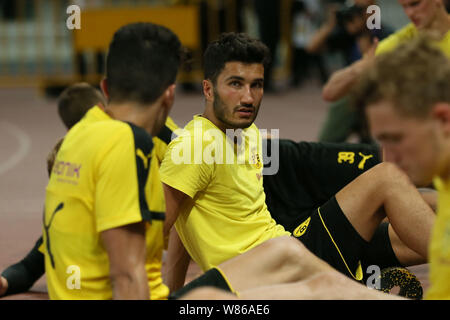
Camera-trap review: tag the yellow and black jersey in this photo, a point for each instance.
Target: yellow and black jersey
(160, 143)
(227, 209)
(310, 174)
(98, 182)
(407, 33)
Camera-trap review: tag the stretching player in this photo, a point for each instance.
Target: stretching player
(220, 209)
(97, 194)
(427, 17)
(412, 123)
(331, 152)
(72, 104)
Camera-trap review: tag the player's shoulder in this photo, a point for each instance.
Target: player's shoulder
(196, 127)
(391, 42)
(114, 133)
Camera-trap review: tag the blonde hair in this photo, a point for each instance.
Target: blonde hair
(413, 78)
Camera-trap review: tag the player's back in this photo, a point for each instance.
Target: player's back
(97, 183)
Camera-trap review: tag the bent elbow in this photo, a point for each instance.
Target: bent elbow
(328, 94)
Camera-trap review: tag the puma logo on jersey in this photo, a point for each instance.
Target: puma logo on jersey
(349, 157)
(363, 161)
(144, 158)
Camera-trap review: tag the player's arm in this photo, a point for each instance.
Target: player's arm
(319, 39)
(21, 276)
(177, 262)
(126, 251)
(174, 201)
(121, 208)
(177, 256)
(430, 196)
(341, 82)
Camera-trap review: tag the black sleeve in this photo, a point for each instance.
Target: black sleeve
(325, 168)
(144, 144)
(165, 134)
(311, 173)
(22, 275)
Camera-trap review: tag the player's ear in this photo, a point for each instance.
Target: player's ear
(104, 88)
(169, 97)
(208, 89)
(441, 113)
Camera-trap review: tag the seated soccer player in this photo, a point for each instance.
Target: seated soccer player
(214, 191)
(407, 101)
(72, 104)
(146, 111)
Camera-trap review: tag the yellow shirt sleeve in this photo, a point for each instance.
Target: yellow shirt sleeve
(390, 43)
(180, 170)
(118, 195)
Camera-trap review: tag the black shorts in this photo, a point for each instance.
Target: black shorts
(211, 278)
(329, 235)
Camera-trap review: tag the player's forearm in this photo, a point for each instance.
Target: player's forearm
(176, 273)
(177, 263)
(21, 276)
(318, 41)
(126, 250)
(430, 196)
(341, 81)
(130, 285)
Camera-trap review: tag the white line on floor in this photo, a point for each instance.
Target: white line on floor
(24, 144)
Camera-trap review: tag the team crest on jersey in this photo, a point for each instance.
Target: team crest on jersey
(301, 229)
(256, 161)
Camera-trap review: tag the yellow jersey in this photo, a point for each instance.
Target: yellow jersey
(226, 213)
(154, 190)
(407, 33)
(439, 251)
(98, 182)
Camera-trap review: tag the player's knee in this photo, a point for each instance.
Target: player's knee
(389, 174)
(328, 279)
(287, 249)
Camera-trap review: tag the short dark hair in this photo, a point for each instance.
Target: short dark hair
(142, 61)
(76, 100)
(230, 47)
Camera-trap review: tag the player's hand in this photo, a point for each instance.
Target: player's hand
(3, 286)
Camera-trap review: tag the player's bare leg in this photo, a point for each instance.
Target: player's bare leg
(384, 191)
(276, 261)
(322, 286)
(404, 254)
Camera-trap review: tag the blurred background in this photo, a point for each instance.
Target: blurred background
(40, 56)
(38, 50)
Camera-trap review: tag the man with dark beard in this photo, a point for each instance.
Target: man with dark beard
(213, 186)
